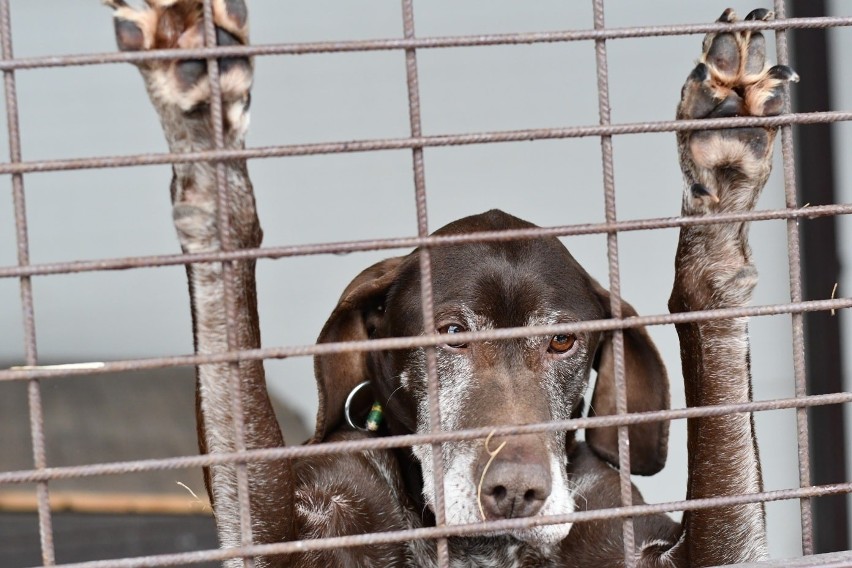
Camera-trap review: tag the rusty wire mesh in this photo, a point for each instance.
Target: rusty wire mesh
(24, 271)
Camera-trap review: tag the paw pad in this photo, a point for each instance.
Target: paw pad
(732, 78)
(179, 24)
(733, 69)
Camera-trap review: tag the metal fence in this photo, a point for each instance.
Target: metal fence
(24, 271)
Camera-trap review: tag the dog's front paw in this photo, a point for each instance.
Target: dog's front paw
(726, 169)
(179, 24)
(180, 90)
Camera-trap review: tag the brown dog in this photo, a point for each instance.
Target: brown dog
(482, 383)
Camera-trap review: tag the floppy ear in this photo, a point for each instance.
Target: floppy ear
(647, 389)
(356, 313)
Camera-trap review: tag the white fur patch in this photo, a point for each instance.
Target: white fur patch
(456, 376)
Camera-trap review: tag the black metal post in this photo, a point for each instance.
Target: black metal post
(821, 270)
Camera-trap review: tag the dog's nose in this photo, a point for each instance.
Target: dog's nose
(512, 489)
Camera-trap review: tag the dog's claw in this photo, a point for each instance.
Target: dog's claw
(115, 4)
(784, 73)
(761, 14)
(700, 73)
(727, 16)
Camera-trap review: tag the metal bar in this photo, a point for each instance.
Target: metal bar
(426, 293)
(626, 486)
(384, 443)
(24, 373)
(837, 560)
(821, 270)
(795, 275)
(416, 142)
(526, 135)
(411, 242)
(223, 207)
(45, 524)
(456, 530)
(416, 43)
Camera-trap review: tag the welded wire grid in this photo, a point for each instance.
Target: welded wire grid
(24, 272)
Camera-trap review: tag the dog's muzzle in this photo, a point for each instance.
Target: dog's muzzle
(514, 477)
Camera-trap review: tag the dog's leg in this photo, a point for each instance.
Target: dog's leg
(180, 92)
(724, 171)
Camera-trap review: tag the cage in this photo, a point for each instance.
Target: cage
(472, 100)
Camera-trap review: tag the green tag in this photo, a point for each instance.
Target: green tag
(374, 418)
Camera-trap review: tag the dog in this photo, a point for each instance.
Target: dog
(482, 384)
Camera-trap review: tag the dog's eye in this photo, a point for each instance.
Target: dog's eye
(450, 329)
(561, 343)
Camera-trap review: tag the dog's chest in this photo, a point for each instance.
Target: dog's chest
(484, 552)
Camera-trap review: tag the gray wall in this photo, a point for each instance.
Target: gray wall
(88, 111)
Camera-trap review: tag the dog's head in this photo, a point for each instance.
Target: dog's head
(484, 286)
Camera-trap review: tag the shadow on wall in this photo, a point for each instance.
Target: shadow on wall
(114, 417)
(109, 418)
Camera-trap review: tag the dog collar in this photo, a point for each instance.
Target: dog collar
(374, 418)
